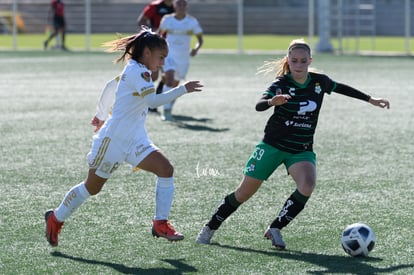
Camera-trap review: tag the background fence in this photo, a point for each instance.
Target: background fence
(260, 16)
(347, 18)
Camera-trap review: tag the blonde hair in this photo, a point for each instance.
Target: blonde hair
(281, 67)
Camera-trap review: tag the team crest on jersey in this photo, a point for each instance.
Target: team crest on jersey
(318, 88)
(146, 76)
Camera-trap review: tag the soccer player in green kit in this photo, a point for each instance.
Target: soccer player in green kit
(296, 97)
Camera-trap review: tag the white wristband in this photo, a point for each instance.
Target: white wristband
(269, 102)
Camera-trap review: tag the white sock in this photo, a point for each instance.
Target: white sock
(164, 194)
(168, 106)
(72, 200)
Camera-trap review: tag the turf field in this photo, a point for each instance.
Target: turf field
(365, 171)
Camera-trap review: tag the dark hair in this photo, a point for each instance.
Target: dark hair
(134, 45)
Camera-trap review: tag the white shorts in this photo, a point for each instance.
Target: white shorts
(178, 65)
(106, 155)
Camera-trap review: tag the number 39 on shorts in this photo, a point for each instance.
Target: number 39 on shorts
(258, 153)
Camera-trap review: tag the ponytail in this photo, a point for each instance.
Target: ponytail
(281, 67)
(133, 46)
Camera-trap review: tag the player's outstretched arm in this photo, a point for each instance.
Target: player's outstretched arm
(154, 100)
(380, 102)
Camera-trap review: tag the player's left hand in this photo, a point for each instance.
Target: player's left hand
(193, 86)
(380, 102)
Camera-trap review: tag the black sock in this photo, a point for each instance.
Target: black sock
(227, 207)
(292, 207)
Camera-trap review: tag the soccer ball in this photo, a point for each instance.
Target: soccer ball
(358, 239)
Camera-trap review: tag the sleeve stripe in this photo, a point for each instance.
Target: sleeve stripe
(147, 92)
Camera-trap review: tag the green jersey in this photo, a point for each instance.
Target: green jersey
(291, 127)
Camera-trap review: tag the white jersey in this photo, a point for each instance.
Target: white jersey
(129, 111)
(179, 34)
(123, 137)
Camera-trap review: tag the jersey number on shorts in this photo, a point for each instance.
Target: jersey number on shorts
(258, 153)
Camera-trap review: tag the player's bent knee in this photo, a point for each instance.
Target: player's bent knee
(165, 171)
(306, 188)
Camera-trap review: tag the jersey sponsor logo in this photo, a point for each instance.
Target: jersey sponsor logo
(301, 117)
(292, 91)
(141, 149)
(146, 76)
(307, 107)
(297, 124)
(302, 125)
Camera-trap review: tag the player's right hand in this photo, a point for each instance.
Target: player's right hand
(97, 123)
(279, 100)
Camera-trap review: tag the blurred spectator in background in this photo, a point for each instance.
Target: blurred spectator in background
(57, 8)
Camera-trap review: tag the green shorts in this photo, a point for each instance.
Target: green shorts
(265, 159)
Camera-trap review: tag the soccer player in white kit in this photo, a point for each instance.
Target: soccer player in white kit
(123, 137)
(178, 28)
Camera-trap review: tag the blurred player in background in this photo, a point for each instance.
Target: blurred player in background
(57, 8)
(151, 17)
(178, 28)
(152, 14)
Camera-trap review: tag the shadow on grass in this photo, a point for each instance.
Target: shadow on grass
(332, 264)
(178, 264)
(195, 124)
